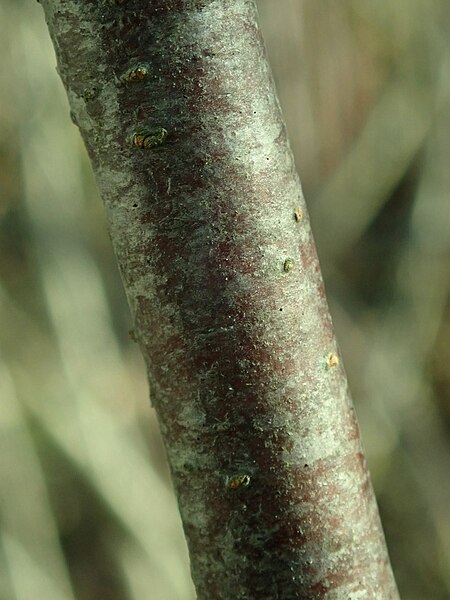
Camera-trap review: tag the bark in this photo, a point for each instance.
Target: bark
(177, 108)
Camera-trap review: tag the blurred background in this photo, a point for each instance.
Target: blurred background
(86, 506)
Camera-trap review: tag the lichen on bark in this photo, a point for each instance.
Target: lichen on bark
(214, 246)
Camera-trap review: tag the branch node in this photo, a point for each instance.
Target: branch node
(332, 360)
(136, 73)
(289, 264)
(149, 138)
(238, 481)
(298, 214)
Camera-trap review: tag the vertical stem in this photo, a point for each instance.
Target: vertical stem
(177, 108)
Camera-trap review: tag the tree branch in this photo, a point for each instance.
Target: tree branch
(176, 105)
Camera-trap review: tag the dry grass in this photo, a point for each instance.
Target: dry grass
(86, 507)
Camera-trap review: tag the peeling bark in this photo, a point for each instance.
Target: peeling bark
(177, 108)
